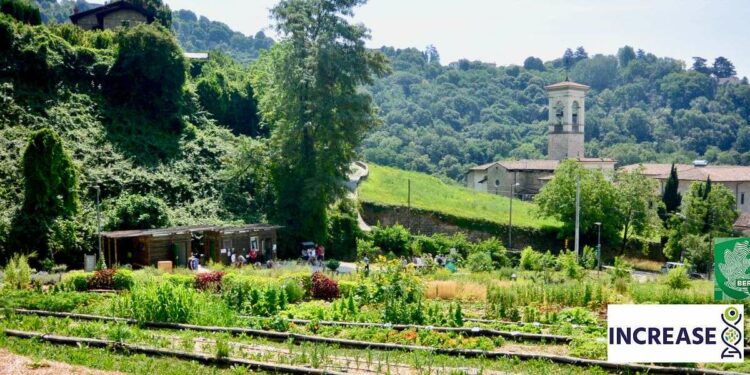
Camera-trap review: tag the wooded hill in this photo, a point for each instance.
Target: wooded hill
(157, 156)
(443, 117)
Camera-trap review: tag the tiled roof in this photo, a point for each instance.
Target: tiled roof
(482, 167)
(526, 165)
(685, 172)
(743, 221)
(596, 160)
(566, 85)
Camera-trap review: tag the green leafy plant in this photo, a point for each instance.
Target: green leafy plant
(18, 272)
(530, 259)
(479, 262)
(123, 279)
(333, 265)
(677, 278)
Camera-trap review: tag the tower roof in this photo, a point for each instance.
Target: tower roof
(567, 85)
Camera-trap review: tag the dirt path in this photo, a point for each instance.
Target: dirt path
(12, 364)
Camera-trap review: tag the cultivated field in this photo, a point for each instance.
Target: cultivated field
(543, 315)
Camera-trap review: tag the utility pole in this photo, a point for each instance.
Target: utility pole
(599, 246)
(408, 201)
(98, 220)
(578, 214)
(510, 216)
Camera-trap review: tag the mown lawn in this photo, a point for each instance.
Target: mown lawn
(389, 186)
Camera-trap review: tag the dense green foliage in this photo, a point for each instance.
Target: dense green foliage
(58, 77)
(599, 201)
(442, 119)
(139, 212)
(50, 190)
(707, 211)
(309, 94)
(149, 72)
(21, 10)
(224, 89)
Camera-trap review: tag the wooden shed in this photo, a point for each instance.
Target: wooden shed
(146, 247)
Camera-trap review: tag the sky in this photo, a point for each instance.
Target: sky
(507, 31)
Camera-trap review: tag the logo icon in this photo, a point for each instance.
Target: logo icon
(731, 335)
(732, 257)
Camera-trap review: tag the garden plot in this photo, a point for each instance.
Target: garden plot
(548, 318)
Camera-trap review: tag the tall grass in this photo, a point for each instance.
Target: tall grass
(568, 294)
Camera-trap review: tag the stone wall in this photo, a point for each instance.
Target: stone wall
(89, 22)
(123, 17)
(428, 223)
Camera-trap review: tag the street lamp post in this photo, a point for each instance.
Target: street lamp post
(599, 246)
(510, 216)
(98, 220)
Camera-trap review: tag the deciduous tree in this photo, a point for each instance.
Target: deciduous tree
(310, 94)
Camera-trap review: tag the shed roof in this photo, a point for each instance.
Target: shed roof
(187, 229)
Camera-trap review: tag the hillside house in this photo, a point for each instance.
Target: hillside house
(112, 15)
(736, 178)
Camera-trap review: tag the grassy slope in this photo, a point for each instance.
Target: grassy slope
(388, 186)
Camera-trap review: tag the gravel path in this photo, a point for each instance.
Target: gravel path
(17, 364)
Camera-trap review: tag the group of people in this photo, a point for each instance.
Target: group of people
(252, 257)
(314, 255)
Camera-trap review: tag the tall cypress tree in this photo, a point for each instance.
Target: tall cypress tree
(50, 192)
(671, 197)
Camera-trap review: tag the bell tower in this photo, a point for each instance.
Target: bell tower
(567, 117)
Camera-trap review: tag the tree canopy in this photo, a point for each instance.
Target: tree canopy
(310, 95)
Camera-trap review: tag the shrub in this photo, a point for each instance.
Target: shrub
(123, 279)
(367, 248)
(209, 281)
(568, 264)
(163, 302)
(294, 291)
(17, 272)
(577, 315)
(102, 279)
(76, 280)
(588, 259)
(324, 287)
(677, 278)
(530, 259)
(496, 250)
(187, 281)
(479, 261)
(333, 265)
(347, 288)
(392, 239)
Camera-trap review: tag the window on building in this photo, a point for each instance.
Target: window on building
(574, 112)
(559, 112)
(497, 183)
(742, 198)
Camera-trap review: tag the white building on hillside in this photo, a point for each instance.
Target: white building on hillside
(567, 117)
(736, 178)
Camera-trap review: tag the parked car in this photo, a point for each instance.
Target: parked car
(692, 273)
